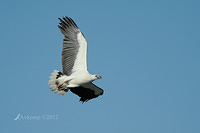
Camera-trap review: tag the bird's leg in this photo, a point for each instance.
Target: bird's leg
(65, 81)
(60, 84)
(63, 85)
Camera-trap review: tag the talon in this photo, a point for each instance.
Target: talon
(60, 89)
(66, 90)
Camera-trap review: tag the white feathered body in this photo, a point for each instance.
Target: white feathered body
(75, 75)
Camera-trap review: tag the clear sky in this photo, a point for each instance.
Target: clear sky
(148, 53)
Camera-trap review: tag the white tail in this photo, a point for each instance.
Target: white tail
(57, 83)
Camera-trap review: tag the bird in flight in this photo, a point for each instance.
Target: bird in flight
(75, 76)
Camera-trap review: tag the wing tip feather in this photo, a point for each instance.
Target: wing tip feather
(67, 21)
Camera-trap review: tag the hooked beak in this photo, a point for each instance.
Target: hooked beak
(99, 77)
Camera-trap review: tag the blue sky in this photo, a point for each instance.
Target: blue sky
(146, 51)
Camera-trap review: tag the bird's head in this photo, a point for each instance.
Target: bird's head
(96, 77)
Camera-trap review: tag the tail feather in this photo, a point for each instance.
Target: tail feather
(55, 78)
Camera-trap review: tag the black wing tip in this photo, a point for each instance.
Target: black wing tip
(67, 21)
(83, 100)
(102, 92)
(65, 17)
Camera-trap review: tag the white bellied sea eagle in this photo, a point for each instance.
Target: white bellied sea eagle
(75, 76)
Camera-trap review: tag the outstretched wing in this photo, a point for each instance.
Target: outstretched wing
(74, 47)
(87, 91)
